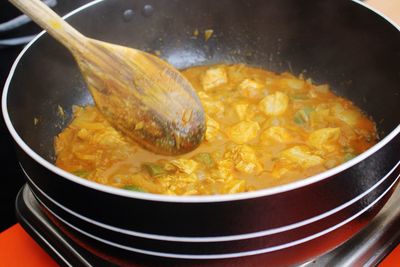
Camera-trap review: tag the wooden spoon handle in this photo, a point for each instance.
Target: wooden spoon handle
(52, 23)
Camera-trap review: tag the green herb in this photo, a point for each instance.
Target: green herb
(308, 110)
(347, 149)
(154, 169)
(81, 173)
(205, 158)
(348, 156)
(134, 188)
(303, 115)
(299, 97)
(298, 119)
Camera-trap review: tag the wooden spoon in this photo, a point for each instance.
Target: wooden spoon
(141, 95)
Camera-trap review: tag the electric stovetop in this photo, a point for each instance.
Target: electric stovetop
(367, 248)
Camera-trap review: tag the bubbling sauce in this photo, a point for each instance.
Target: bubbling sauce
(263, 129)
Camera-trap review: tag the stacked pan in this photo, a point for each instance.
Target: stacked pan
(342, 43)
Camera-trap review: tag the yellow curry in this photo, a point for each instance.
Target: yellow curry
(263, 129)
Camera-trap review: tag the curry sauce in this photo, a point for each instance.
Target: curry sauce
(263, 129)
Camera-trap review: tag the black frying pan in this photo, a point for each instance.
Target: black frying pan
(338, 42)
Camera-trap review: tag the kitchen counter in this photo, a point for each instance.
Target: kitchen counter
(390, 8)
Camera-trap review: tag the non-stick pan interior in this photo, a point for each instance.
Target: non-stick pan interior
(337, 42)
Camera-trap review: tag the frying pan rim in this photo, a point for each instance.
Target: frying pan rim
(182, 199)
(227, 255)
(234, 237)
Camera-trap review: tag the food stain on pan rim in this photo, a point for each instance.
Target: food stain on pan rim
(182, 199)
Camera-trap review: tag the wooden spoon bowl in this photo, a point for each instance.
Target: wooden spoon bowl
(140, 94)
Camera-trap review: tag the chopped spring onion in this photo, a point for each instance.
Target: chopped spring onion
(133, 188)
(205, 158)
(81, 173)
(348, 156)
(154, 169)
(299, 97)
(303, 115)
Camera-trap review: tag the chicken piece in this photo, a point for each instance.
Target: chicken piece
(214, 77)
(324, 139)
(248, 167)
(214, 107)
(83, 134)
(275, 104)
(319, 118)
(187, 166)
(323, 88)
(302, 156)
(211, 106)
(108, 138)
(251, 89)
(225, 168)
(280, 169)
(235, 186)
(295, 83)
(241, 110)
(245, 159)
(212, 129)
(351, 117)
(243, 132)
(276, 134)
(179, 183)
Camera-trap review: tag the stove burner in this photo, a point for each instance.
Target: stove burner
(17, 23)
(367, 248)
